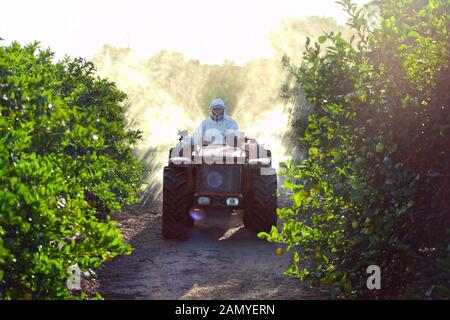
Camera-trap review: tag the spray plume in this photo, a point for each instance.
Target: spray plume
(167, 93)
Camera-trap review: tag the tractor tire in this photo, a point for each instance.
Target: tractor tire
(177, 201)
(261, 202)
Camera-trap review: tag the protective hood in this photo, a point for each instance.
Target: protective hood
(219, 110)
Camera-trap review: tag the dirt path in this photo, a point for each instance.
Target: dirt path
(221, 260)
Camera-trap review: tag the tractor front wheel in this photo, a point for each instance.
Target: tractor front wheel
(261, 202)
(177, 201)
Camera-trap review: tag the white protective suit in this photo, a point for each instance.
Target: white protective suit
(215, 132)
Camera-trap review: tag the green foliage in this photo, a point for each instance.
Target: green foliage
(222, 81)
(188, 82)
(65, 162)
(375, 186)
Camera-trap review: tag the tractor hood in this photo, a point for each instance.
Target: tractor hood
(219, 154)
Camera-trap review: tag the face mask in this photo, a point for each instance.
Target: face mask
(217, 114)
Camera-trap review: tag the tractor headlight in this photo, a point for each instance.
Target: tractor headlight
(232, 202)
(203, 201)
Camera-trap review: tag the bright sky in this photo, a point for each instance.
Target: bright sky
(208, 30)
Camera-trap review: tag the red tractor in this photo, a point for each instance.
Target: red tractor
(237, 176)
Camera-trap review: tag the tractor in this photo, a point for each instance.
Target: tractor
(232, 176)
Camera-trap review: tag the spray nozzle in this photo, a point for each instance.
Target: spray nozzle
(182, 134)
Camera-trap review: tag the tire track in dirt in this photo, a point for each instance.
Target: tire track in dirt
(220, 260)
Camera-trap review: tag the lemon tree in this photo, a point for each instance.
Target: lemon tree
(65, 162)
(374, 188)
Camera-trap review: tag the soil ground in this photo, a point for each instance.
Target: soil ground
(220, 260)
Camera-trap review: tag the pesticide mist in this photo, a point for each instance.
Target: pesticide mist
(167, 93)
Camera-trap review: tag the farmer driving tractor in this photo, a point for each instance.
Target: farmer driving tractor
(215, 129)
(218, 167)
